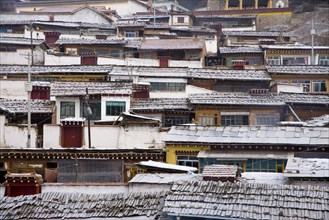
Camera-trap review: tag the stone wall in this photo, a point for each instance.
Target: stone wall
(266, 20)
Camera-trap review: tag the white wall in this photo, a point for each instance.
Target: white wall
(85, 188)
(67, 99)
(16, 136)
(84, 15)
(51, 136)
(51, 59)
(183, 63)
(211, 46)
(104, 99)
(174, 20)
(20, 57)
(144, 187)
(2, 130)
(12, 89)
(110, 137)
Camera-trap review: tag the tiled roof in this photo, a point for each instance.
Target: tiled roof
(159, 104)
(217, 170)
(75, 24)
(229, 50)
(56, 205)
(302, 70)
(257, 33)
(157, 26)
(249, 135)
(20, 106)
(257, 99)
(220, 200)
(229, 74)
(79, 88)
(90, 41)
(150, 72)
(172, 44)
(14, 22)
(20, 41)
(56, 69)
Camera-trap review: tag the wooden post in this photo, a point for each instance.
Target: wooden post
(256, 4)
(241, 4)
(226, 4)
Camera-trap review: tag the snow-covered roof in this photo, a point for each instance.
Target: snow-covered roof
(159, 104)
(307, 168)
(58, 205)
(94, 88)
(262, 177)
(20, 41)
(90, 41)
(166, 166)
(301, 70)
(274, 99)
(293, 47)
(20, 106)
(225, 200)
(258, 33)
(242, 49)
(318, 121)
(164, 178)
(191, 73)
(8, 69)
(268, 135)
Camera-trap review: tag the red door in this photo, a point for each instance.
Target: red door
(72, 136)
(164, 61)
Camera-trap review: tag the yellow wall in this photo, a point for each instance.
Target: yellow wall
(171, 151)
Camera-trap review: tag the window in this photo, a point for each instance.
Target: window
(324, 60)
(263, 165)
(130, 34)
(207, 119)
(233, 3)
(266, 119)
(295, 61)
(167, 86)
(115, 53)
(180, 20)
(227, 120)
(175, 120)
(319, 86)
(115, 108)
(194, 55)
(304, 83)
(190, 161)
(95, 109)
(273, 60)
(254, 60)
(102, 52)
(67, 110)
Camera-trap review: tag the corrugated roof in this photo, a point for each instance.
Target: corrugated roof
(90, 41)
(172, 44)
(217, 98)
(300, 70)
(20, 106)
(56, 205)
(79, 88)
(310, 136)
(159, 104)
(247, 201)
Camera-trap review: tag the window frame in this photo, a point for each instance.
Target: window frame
(64, 106)
(115, 112)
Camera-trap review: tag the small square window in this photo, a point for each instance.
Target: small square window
(115, 108)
